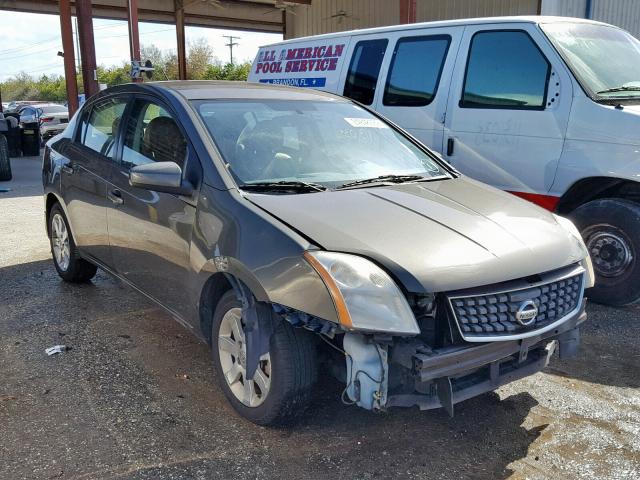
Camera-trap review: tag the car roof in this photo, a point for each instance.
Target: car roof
(461, 22)
(219, 89)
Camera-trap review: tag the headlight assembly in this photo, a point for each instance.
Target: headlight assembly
(365, 297)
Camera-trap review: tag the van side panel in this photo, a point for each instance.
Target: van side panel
(309, 64)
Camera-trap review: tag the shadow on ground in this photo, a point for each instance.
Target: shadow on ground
(135, 397)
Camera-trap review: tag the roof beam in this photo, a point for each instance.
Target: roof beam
(233, 14)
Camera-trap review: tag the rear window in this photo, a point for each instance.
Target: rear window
(364, 69)
(100, 129)
(415, 71)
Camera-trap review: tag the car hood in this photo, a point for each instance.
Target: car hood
(433, 236)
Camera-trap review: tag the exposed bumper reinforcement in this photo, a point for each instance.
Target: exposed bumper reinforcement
(455, 374)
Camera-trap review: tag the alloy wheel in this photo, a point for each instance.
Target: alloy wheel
(60, 242)
(232, 349)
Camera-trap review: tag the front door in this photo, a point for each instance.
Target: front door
(89, 163)
(149, 231)
(508, 108)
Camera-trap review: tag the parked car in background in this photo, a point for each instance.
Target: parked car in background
(547, 108)
(52, 118)
(296, 231)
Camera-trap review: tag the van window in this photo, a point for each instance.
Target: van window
(415, 71)
(364, 69)
(505, 69)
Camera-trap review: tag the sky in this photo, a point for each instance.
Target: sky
(30, 42)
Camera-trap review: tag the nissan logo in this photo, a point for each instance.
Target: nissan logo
(527, 313)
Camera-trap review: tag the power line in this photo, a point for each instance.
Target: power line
(39, 69)
(37, 52)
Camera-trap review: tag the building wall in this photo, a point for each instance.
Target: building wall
(428, 10)
(623, 13)
(324, 16)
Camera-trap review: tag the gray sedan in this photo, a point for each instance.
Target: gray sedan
(298, 233)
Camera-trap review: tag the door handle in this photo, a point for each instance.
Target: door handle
(115, 196)
(450, 143)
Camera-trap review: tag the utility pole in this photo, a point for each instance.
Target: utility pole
(231, 44)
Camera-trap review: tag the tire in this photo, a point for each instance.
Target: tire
(293, 370)
(5, 161)
(74, 268)
(611, 231)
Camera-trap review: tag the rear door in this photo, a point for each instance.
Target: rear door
(508, 108)
(414, 81)
(91, 158)
(149, 231)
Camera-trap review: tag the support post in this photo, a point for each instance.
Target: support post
(134, 36)
(68, 51)
(87, 48)
(407, 11)
(182, 50)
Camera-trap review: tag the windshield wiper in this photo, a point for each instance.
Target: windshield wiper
(284, 185)
(382, 179)
(619, 89)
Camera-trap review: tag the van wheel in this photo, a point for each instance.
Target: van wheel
(66, 258)
(282, 386)
(611, 232)
(5, 161)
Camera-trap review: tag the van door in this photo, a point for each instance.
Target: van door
(508, 108)
(415, 79)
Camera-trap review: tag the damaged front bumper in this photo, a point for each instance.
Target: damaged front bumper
(406, 375)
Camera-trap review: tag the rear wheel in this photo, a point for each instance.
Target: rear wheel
(5, 161)
(66, 258)
(611, 231)
(282, 386)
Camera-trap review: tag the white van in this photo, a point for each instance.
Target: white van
(547, 108)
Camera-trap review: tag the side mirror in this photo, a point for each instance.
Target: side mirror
(161, 177)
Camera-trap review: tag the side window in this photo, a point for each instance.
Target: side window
(364, 69)
(505, 69)
(415, 71)
(99, 133)
(152, 135)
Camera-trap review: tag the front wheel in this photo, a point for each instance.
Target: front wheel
(611, 231)
(281, 388)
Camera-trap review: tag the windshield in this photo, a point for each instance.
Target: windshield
(326, 143)
(606, 60)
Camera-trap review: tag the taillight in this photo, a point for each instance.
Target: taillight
(46, 119)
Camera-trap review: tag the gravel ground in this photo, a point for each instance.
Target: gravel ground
(135, 397)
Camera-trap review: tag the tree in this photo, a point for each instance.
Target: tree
(199, 57)
(201, 65)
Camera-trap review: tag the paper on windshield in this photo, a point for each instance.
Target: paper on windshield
(365, 123)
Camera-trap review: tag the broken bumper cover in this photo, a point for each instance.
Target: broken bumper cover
(454, 374)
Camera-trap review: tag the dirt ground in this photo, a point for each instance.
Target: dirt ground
(135, 396)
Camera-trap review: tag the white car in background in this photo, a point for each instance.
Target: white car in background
(53, 118)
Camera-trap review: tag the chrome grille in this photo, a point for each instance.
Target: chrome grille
(484, 315)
